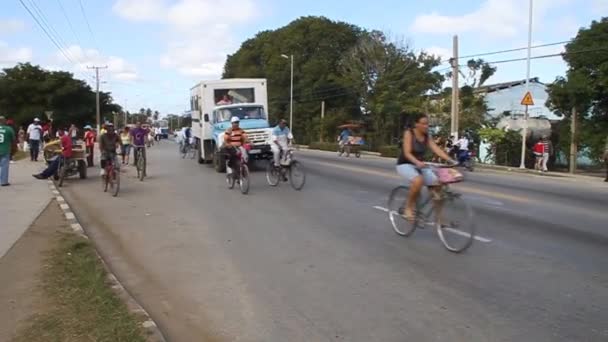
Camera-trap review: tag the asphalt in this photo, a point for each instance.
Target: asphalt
(323, 264)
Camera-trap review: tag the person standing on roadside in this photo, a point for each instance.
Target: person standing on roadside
(66, 152)
(7, 139)
(539, 149)
(34, 135)
(125, 145)
(21, 138)
(73, 133)
(547, 151)
(89, 143)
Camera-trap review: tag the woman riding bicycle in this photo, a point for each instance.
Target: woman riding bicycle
(410, 165)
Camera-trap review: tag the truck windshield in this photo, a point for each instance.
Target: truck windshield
(243, 113)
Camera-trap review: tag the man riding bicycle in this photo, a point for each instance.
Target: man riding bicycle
(281, 138)
(234, 139)
(108, 143)
(138, 141)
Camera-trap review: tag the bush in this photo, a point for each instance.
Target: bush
(389, 151)
(323, 146)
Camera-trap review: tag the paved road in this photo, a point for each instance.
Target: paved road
(324, 265)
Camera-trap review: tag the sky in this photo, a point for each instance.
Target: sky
(156, 50)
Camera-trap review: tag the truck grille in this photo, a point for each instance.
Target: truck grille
(258, 137)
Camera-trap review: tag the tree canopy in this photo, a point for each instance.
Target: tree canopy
(360, 75)
(27, 91)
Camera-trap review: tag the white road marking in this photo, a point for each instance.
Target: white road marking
(64, 206)
(55, 192)
(451, 230)
(60, 199)
(69, 215)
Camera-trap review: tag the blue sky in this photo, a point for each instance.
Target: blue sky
(157, 49)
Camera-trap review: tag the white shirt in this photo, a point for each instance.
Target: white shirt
(282, 136)
(463, 144)
(34, 130)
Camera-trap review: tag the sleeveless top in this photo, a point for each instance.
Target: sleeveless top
(418, 149)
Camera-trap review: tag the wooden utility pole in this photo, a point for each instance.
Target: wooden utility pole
(98, 108)
(455, 88)
(573, 140)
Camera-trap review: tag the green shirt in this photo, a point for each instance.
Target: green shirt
(7, 137)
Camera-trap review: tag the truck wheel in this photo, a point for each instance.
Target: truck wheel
(82, 169)
(219, 161)
(199, 147)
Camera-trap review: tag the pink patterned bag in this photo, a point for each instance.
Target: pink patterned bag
(449, 175)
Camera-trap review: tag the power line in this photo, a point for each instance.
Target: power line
(512, 50)
(561, 54)
(65, 15)
(46, 32)
(86, 19)
(50, 27)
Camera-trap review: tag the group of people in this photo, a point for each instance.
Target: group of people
(109, 142)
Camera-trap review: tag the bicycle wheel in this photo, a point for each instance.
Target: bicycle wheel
(396, 208)
(244, 179)
(62, 172)
(455, 223)
(116, 181)
(272, 174)
(185, 151)
(192, 152)
(297, 175)
(105, 181)
(230, 180)
(141, 167)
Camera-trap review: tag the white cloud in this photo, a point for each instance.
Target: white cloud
(495, 18)
(118, 68)
(10, 56)
(443, 53)
(9, 26)
(198, 31)
(140, 10)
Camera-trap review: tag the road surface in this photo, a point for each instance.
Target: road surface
(323, 264)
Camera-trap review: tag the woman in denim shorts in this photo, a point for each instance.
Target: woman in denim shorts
(410, 164)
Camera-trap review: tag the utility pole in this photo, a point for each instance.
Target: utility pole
(290, 93)
(455, 89)
(573, 140)
(98, 109)
(522, 165)
(322, 120)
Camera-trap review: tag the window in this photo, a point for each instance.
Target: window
(243, 113)
(234, 96)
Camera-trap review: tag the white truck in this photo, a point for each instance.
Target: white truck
(214, 103)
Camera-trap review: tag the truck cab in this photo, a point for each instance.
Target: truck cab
(214, 103)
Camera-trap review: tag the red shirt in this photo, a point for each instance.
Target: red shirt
(89, 138)
(539, 147)
(66, 146)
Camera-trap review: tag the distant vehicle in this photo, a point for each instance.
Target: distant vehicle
(214, 103)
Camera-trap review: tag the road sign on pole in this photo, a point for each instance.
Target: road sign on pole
(527, 100)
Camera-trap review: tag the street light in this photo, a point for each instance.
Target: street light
(522, 165)
(291, 92)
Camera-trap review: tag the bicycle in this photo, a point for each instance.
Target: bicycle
(140, 162)
(453, 215)
(288, 166)
(187, 150)
(239, 174)
(111, 178)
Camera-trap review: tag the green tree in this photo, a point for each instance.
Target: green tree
(585, 88)
(27, 91)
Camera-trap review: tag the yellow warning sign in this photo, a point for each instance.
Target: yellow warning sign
(527, 100)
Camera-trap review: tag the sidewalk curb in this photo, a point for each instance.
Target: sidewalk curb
(150, 327)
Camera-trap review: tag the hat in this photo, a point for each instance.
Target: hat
(235, 119)
(88, 127)
(36, 119)
(109, 124)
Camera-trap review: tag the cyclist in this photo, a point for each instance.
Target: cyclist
(281, 137)
(234, 138)
(410, 165)
(108, 143)
(138, 142)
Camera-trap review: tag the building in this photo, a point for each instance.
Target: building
(505, 98)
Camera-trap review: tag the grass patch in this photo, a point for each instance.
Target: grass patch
(82, 307)
(20, 155)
